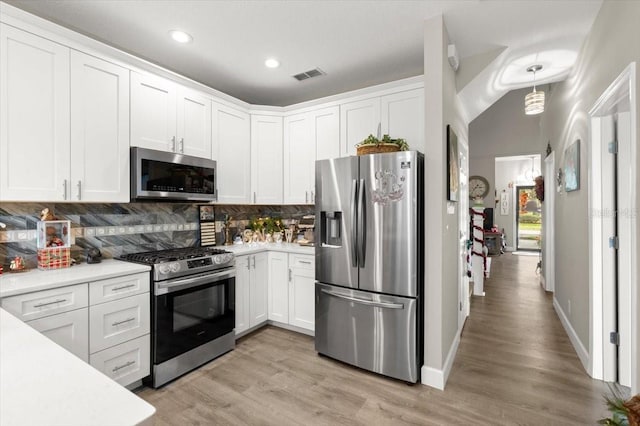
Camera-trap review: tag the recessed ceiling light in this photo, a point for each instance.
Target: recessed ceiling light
(180, 36)
(272, 63)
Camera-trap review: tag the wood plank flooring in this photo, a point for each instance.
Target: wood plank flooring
(515, 365)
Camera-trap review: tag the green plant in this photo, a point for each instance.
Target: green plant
(623, 412)
(372, 140)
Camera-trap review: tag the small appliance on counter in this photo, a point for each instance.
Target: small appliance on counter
(93, 255)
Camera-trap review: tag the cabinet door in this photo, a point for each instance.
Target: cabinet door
(266, 159)
(243, 280)
(326, 126)
(99, 130)
(125, 363)
(194, 124)
(153, 112)
(357, 121)
(34, 117)
(403, 116)
(258, 289)
(302, 292)
(69, 330)
(299, 159)
(231, 148)
(279, 287)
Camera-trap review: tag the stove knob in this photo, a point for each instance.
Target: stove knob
(164, 268)
(175, 266)
(228, 257)
(217, 259)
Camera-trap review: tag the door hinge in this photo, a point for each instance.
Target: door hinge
(614, 338)
(614, 242)
(613, 147)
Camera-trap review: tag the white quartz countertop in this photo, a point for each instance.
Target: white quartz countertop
(36, 280)
(43, 384)
(241, 249)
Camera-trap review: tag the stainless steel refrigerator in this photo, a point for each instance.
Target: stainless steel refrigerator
(369, 256)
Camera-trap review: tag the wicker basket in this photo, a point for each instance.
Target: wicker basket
(377, 148)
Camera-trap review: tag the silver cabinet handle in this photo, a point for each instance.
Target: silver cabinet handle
(64, 189)
(173, 143)
(306, 197)
(182, 145)
(49, 303)
(306, 262)
(254, 197)
(79, 190)
(313, 197)
(122, 287)
(125, 365)
(289, 275)
(248, 262)
(122, 322)
(365, 301)
(254, 262)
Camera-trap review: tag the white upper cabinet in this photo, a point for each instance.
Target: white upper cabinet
(153, 112)
(194, 124)
(299, 158)
(99, 130)
(64, 121)
(308, 137)
(231, 148)
(403, 116)
(168, 117)
(357, 121)
(266, 159)
(34, 118)
(326, 132)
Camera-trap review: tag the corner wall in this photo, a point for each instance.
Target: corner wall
(613, 43)
(442, 107)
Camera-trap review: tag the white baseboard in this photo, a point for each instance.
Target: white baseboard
(438, 378)
(582, 352)
(509, 248)
(543, 282)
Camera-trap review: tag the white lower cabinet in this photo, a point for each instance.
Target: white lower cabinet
(279, 287)
(302, 291)
(125, 363)
(251, 291)
(68, 329)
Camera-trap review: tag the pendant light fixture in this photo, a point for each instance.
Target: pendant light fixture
(534, 101)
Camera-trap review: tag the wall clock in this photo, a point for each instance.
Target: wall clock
(478, 187)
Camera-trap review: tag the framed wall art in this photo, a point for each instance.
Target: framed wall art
(572, 167)
(453, 168)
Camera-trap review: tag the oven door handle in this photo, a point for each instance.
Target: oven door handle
(171, 286)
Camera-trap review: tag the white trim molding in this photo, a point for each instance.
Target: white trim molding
(582, 352)
(438, 378)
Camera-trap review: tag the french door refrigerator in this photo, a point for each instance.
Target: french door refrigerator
(369, 257)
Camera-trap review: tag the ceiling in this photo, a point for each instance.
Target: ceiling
(357, 43)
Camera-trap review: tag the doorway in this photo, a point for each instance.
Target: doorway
(528, 212)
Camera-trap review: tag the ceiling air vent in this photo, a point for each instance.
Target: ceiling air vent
(316, 72)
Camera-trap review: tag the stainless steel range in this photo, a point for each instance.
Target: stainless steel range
(193, 309)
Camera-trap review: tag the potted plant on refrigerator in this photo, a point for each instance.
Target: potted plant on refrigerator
(373, 145)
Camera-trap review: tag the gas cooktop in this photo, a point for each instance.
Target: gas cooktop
(171, 255)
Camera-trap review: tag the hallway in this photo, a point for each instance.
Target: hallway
(515, 359)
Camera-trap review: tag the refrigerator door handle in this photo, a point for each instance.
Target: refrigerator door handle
(354, 220)
(364, 301)
(362, 224)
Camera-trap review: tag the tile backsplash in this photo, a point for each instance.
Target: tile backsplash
(123, 228)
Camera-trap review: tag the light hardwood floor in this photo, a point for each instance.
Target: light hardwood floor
(515, 365)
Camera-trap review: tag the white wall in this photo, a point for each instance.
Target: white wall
(503, 130)
(441, 234)
(612, 44)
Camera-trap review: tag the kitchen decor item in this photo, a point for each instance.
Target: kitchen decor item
(373, 145)
(369, 251)
(207, 226)
(53, 241)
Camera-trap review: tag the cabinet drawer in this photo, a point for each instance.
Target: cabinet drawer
(68, 329)
(125, 363)
(117, 288)
(302, 261)
(44, 303)
(116, 322)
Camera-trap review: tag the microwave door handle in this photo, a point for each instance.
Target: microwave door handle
(354, 221)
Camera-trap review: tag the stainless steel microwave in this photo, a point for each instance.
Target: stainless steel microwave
(167, 176)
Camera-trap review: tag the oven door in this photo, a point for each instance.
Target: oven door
(191, 311)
